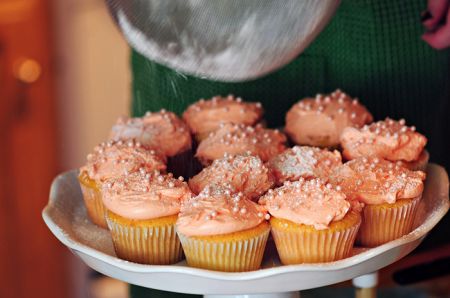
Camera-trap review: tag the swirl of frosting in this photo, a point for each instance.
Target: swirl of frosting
(205, 115)
(144, 195)
(373, 180)
(241, 173)
(320, 121)
(309, 202)
(162, 130)
(388, 139)
(237, 139)
(115, 158)
(217, 211)
(304, 161)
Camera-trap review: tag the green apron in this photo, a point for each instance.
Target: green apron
(371, 50)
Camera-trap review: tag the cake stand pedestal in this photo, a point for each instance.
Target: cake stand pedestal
(272, 295)
(65, 216)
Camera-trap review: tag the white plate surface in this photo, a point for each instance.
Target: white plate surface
(65, 215)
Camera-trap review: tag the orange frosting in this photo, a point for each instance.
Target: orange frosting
(206, 115)
(387, 139)
(246, 174)
(304, 161)
(162, 130)
(237, 139)
(320, 121)
(142, 195)
(217, 211)
(115, 158)
(373, 180)
(308, 202)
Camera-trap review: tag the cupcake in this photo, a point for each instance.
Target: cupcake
(304, 162)
(388, 139)
(391, 194)
(223, 231)
(112, 159)
(320, 121)
(237, 139)
(240, 173)
(311, 222)
(162, 130)
(205, 116)
(142, 212)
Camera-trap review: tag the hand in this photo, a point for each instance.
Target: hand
(437, 22)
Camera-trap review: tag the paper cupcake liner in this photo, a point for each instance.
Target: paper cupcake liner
(307, 245)
(94, 205)
(382, 224)
(235, 255)
(145, 242)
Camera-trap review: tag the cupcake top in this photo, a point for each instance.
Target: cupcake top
(217, 211)
(388, 139)
(162, 130)
(206, 115)
(240, 173)
(304, 161)
(116, 158)
(309, 202)
(144, 195)
(319, 121)
(373, 180)
(237, 139)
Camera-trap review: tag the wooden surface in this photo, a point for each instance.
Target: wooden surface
(31, 260)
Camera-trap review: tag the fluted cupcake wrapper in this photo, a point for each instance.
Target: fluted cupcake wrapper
(380, 225)
(144, 243)
(313, 246)
(231, 256)
(94, 205)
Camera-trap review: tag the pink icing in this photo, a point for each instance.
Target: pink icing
(216, 211)
(373, 180)
(320, 121)
(143, 195)
(162, 130)
(111, 159)
(304, 161)
(237, 139)
(308, 202)
(206, 115)
(387, 139)
(241, 173)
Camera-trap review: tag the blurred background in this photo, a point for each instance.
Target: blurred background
(64, 79)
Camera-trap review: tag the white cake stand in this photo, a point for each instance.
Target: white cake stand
(65, 216)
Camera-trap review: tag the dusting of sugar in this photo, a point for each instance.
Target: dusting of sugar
(304, 161)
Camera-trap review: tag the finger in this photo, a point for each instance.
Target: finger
(437, 9)
(440, 38)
